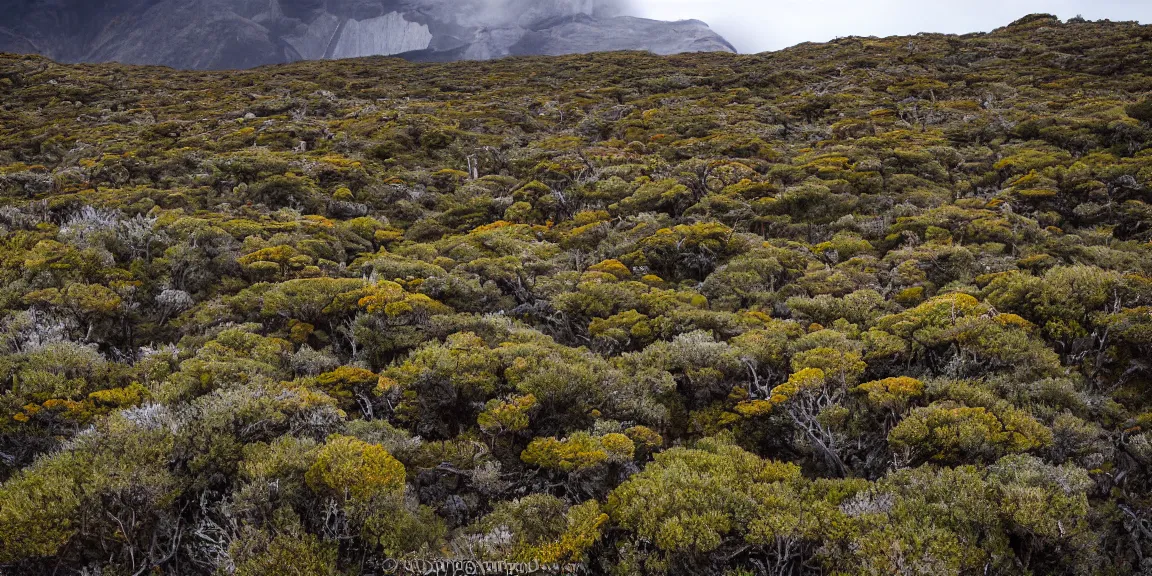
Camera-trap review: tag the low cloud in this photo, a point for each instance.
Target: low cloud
(759, 25)
(505, 12)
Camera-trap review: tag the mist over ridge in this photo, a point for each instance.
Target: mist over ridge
(220, 34)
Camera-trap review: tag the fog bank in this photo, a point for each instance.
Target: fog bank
(760, 25)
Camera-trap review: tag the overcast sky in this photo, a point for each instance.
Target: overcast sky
(759, 25)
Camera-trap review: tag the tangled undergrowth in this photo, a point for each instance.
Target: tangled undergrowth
(877, 306)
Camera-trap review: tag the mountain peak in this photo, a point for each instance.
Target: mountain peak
(222, 34)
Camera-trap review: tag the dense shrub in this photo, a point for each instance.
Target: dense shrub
(875, 306)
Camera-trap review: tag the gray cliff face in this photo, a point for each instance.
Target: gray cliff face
(586, 34)
(222, 34)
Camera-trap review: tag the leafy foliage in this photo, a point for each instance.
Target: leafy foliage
(875, 306)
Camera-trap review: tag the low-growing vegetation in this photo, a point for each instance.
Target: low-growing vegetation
(871, 307)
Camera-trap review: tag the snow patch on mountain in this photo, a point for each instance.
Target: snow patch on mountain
(220, 34)
(385, 35)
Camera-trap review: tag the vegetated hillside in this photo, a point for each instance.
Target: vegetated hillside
(878, 306)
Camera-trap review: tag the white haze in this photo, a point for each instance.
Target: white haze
(506, 12)
(760, 25)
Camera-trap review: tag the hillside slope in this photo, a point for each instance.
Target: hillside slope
(877, 306)
(224, 34)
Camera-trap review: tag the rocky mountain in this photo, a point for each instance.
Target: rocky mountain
(221, 34)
